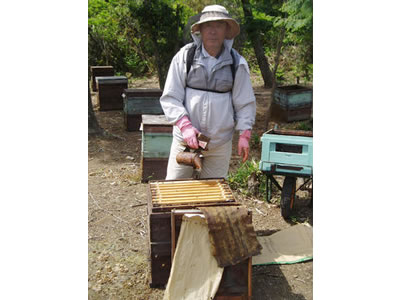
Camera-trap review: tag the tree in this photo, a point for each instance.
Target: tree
(254, 36)
(94, 127)
(161, 29)
(297, 20)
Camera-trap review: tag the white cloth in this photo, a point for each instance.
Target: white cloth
(195, 274)
(215, 162)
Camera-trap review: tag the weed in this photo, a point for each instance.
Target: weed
(306, 125)
(255, 140)
(248, 179)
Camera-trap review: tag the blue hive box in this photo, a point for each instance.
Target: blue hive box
(286, 154)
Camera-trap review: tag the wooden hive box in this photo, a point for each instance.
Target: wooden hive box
(292, 103)
(96, 71)
(163, 216)
(287, 152)
(156, 145)
(110, 89)
(138, 102)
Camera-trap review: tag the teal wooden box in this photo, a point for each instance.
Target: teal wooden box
(138, 102)
(156, 145)
(292, 103)
(142, 101)
(293, 96)
(286, 154)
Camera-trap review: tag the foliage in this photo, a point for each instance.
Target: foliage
(110, 42)
(248, 172)
(141, 36)
(160, 32)
(298, 22)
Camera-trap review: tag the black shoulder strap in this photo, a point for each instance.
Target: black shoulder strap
(190, 57)
(233, 65)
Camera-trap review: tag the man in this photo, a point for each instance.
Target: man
(214, 97)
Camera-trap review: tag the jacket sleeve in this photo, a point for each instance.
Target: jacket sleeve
(244, 101)
(173, 95)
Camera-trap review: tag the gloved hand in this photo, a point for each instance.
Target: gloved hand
(188, 131)
(243, 145)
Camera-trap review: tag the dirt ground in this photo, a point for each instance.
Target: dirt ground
(117, 217)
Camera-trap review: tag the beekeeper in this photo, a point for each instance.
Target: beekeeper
(208, 90)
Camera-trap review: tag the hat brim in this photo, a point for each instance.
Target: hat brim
(233, 31)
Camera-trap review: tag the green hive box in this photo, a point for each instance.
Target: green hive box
(292, 103)
(156, 144)
(138, 102)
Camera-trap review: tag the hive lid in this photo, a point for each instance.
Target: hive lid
(289, 89)
(111, 79)
(142, 92)
(155, 120)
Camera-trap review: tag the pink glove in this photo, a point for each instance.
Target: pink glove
(188, 131)
(243, 145)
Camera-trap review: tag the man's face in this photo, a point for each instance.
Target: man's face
(213, 34)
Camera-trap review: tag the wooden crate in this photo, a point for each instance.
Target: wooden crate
(110, 89)
(156, 145)
(162, 218)
(292, 103)
(96, 71)
(138, 102)
(287, 154)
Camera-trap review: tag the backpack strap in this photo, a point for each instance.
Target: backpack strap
(233, 65)
(190, 58)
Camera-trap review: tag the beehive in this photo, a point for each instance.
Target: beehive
(292, 103)
(287, 152)
(138, 102)
(167, 196)
(156, 144)
(97, 71)
(110, 89)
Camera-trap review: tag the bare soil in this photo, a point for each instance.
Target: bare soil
(117, 217)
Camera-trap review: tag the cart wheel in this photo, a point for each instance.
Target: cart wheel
(287, 196)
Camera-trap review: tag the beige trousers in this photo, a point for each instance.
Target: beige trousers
(215, 162)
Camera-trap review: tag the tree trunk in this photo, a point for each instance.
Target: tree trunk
(278, 55)
(94, 127)
(258, 47)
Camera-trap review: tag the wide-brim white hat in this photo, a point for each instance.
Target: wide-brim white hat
(218, 13)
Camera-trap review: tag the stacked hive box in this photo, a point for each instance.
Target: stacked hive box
(110, 89)
(292, 103)
(190, 194)
(156, 144)
(97, 71)
(138, 102)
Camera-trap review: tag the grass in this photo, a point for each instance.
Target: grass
(248, 179)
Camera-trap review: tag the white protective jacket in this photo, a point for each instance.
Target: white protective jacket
(216, 115)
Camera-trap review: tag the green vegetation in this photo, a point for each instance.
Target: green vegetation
(248, 179)
(140, 37)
